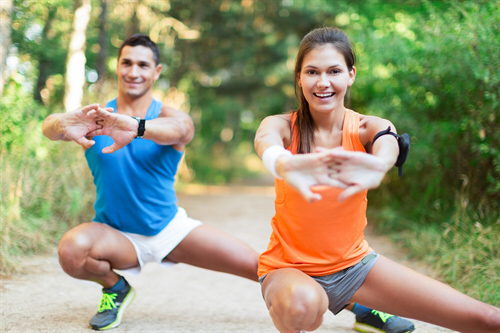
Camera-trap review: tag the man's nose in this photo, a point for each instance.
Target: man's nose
(134, 71)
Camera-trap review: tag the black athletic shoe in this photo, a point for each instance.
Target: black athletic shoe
(111, 308)
(380, 322)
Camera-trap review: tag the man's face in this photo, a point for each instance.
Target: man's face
(136, 71)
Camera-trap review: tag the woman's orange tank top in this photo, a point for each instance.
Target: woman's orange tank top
(323, 237)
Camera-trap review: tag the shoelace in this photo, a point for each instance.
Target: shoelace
(384, 316)
(107, 302)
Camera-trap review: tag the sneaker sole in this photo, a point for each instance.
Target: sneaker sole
(366, 328)
(126, 302)
(360, 327)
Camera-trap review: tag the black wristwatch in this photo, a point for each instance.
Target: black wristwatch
(142, 127)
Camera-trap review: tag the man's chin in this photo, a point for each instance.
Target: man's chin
(135, 94)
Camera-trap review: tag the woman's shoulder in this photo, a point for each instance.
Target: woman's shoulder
(370, 125)
(369, 121)
(279, 119)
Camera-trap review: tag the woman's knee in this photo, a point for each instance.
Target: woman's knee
(299, 307)
(488, 318)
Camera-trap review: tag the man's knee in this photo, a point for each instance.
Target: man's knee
(73, 249)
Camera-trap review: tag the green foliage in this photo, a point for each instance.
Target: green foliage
(41, 31)
(448, 85)
(43, 193)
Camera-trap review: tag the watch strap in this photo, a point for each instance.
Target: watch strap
(142, 127)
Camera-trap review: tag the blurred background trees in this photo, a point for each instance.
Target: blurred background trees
(431, 67)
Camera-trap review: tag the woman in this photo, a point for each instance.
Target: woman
(324, 158)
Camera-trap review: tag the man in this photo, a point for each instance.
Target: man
(133, 147)
(137, 219)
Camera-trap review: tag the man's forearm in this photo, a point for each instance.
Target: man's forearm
(52, 129)
(169, 131)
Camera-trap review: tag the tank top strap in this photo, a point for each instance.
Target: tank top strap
(350, 132)
(295, 134)
(154, 109)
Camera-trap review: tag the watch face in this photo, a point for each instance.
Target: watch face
(141, 128)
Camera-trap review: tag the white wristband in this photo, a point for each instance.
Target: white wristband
(270, 157)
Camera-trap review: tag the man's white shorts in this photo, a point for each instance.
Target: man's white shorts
(156, 248)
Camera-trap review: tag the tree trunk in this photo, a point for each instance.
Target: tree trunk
(5, 26)
(44, 61)
(103, 42)
(133, 27)
(75, 66)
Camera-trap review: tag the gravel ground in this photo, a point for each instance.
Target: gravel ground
(178, 299)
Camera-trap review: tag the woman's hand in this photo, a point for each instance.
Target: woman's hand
(302, 171)
(357, 170)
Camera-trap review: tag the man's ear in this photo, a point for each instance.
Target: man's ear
(157, 72)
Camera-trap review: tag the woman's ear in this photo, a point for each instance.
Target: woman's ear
(352, 76)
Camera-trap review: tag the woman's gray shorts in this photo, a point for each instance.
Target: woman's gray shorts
(341, 286)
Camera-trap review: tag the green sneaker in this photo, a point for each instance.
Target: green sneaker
(380, 322)
(111, 308)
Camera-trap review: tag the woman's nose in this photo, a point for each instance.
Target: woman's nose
(323, 80)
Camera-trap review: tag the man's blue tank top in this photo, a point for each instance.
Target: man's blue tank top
(134, 185)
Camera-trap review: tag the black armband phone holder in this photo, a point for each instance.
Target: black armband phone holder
(404, 147)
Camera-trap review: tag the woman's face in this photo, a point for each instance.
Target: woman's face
(324, 78)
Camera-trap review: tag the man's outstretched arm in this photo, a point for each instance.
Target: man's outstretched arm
(72, 126)
(172, 127)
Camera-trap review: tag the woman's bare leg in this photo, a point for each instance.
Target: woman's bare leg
(396, 289)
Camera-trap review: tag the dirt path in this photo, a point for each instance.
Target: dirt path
(178, 299)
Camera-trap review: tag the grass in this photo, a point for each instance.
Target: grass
(463, 251)
(43, 194)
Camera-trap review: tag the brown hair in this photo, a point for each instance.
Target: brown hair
(143, 40)
(317, 37)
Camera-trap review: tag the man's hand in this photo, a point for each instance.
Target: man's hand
(122, 129)
(78, 124)
(357, 170)
(302, 171)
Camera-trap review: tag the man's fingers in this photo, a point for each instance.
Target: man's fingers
(84, 142)
(111, 149)
(86, 109)
(96, 132)
(108, 150)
